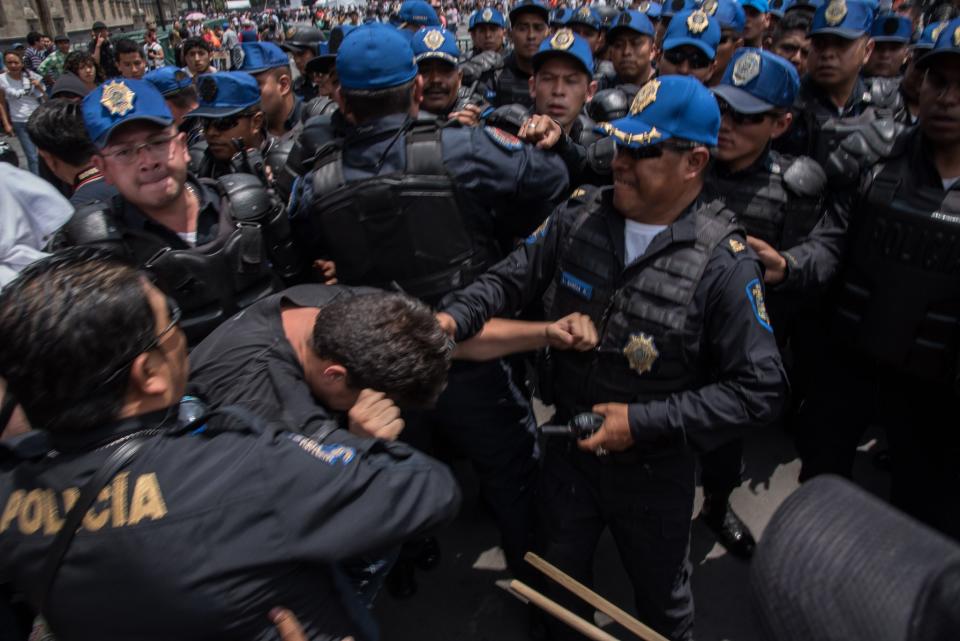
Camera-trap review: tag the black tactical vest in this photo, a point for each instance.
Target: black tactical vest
(779, 206)
(401, 230)
(511, 87)
(650, 331)
(210, 282)
(899, 297)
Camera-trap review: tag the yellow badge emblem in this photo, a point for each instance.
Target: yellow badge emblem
(956, 37)
(433, 39)
(487, 14)
(937, 31)
(562, 40)
(736, 246)
(697, 22)
(579, 191)
(645, 97)
(710, 7)
(746, 69)
(644, 6)
(584, 12)
(641, 352)
(836, 12)
(117, 98)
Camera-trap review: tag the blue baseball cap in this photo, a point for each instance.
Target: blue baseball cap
(225, 93)
(565, 43)
(375, 56)
(418, 12)
(487, 15)
(261, 56)
(671, 8)
(947, 42)
(728, 13)
(664, 108)
(559, 16)
(434, 42)
(587, 16)
(531, 6)
(169, 80)
(780, 7)
(929, 35)
(889, 27)
(694, 28)
(760, 5)
(757, 81)
(631, 20)
(845, 18)
(119, 101)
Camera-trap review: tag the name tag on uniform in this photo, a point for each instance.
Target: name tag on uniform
(579, 287)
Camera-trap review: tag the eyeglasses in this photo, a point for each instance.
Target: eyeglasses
(697, 59)
(739, 117)
(655, 151)
(225, 123)
(173, 309)
(156, 148)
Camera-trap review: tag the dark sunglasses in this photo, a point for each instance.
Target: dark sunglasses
(225, 123)
(677, 57)
(173, 309)
(739, 117)
(655, 151)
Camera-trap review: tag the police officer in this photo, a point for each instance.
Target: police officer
(690, 45)
(214, 246)
(269, 64)
(891, 36)
(303, 46)
(686, 357)
(528, 28)
(893, 346)
(757, 14)
(912, 75)
(207, 500)
(436, 54)
(778, 200)
(585, 22)
(487, 29)
(631, 49)
(363, 206)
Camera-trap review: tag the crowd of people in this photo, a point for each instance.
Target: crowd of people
(255, 285)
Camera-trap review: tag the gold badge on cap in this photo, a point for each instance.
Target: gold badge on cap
(937, 31)
(487, 14)
(645, 97)
(710, 7)
(836, 12)
(644, 6)
(584, 12)
(746, 69)
(117, 98)
(641, 352)
(697, 22)
(562, 40)
(956, 37)
(433, 39)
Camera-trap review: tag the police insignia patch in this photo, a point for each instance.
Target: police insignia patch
(956, 37)
(746, 69)
(487, 14)
(937, 31)
(777, 4)
(503, 139)
(709, 7)
(645, 97)
(697, 22)
(117, 98)
(579, 191)
(562, 40)
(835, 13)
(180, 76)
(755, 295)
(207, 88)
(643, 7)
(641, 352)
(736, 246)
(330, 454)
(433, 39)
(890, 26)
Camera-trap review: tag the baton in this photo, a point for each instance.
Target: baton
(580, 426)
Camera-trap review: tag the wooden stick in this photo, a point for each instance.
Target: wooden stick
(594, 599)
(556, 610)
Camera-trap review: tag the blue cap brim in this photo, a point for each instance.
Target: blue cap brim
(849, 34)
(218, 112)
(673, 43)
(542, 56)
(740, 100)
(439, 55)
(899, 39)
(630, 132)
(925, 46)
(105, 136)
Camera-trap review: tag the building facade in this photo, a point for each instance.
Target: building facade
(75, 17)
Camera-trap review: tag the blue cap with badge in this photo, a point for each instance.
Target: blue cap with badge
(261, 56)
(671, 8)
(418, 12)
(565, 43)
(434, 42)
(375, 56)
(225, 93)
(694, 28)
(119, 101)
(664, 108)
(587, 16)
(762, 6)
(487, 15)
(929, 35)
(530, 6)
(728, 13)
(559, 16)
(757, 81)
(651, 9)
(169, 80)
(889, 27)
(947, 42)
(631, 20)
(845, 18)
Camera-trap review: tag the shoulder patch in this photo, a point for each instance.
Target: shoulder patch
(735, 245)
(503, 139)
(329, 453)
(578, 192)
(755, 296)
(539, 232)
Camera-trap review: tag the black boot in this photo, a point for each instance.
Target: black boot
(732, 533)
